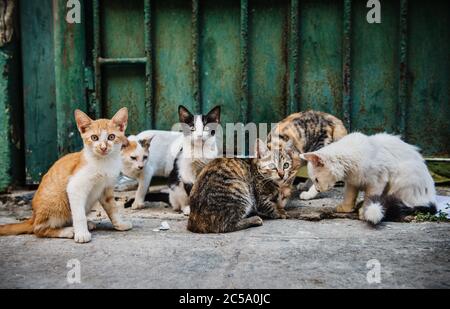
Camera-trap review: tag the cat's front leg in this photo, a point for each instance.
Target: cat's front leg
(186, 210)
(77, 201)
(144, 184)
(282, 213)
(108, 202)
(310, 194)
(271, 210)
(350, 196)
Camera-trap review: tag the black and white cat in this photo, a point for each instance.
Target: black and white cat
(199, 146)
(176, 155)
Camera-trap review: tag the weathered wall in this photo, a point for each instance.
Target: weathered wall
(11, 145)
(259, 59)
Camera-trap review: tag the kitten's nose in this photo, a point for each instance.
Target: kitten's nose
(141, 167)
(103, 147)
(281, 174)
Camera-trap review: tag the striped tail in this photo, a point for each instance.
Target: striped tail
(25, 227)
(389, 208)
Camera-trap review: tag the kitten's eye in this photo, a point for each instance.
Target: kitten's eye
(133, 158)
(286, 166)
(94, 138)
(192, 129)
(145, 158)
(273, 166)
(316, 180)
(111, 137)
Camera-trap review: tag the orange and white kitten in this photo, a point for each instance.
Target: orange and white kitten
(76, 182)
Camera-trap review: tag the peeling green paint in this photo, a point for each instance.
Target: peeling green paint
(69, 47)
(5, 150)
(259, 59)
(321, 56)
(11, 159)
(173, 61)
(268, 70)
(38, 82)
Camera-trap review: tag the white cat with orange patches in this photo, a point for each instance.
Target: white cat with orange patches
(76, 182)
(135, 157)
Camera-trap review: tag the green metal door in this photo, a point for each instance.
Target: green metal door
(259, 59)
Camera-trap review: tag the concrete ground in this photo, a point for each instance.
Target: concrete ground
(316, 252)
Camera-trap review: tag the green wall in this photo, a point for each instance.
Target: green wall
(11, 111)
(259, 59)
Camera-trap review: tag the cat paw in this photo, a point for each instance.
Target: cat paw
(361, 214)
(307, 196)
(67, 232)
(258, 221)
(82, 237)
(284, 216)
(187, 211)
(280, 214)
(123, 226)
(91, 225)
(138, 205)
(342, 208)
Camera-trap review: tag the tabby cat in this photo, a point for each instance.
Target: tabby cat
(308, 131)
(231, 194)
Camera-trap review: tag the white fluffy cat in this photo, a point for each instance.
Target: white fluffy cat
(391, 173)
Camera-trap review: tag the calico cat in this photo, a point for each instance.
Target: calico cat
(231, 194)
(391, 173)
(76, 182)
(199, 146)
(309, 131)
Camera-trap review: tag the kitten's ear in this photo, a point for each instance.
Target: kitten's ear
(120, 119)
(214, 115)
(145, 143)
(313, 158)
(260, 148)
(185, 115)
(83, 121)
(125, 143)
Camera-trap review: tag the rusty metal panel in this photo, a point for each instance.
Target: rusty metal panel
(220, 73)
(268, 70)
(39, 98)
(69, 65)
(11, 134)
(173, 64)
(321, 35)
(428, 107)
(259, 59)
(123, 74)
(375, 66)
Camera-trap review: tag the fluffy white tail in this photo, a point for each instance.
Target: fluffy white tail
(390, 208)
(374, 212)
